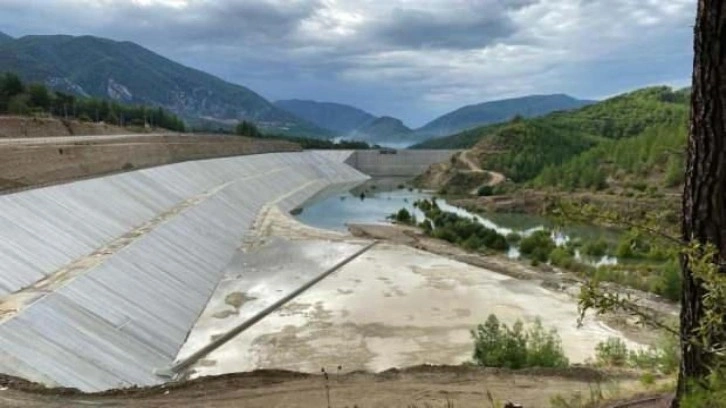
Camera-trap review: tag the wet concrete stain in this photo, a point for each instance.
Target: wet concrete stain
(237, 299)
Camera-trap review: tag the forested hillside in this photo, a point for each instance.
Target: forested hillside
(19, 98)
(126, 72)
(627, 134)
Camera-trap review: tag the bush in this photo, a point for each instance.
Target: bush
(513, 237)
(403, 216)
(669, 282)
(466, 232)
(597, 248)
(537, 246)
(664, 358)
(562, 258)
(612, 353)
(497, 345)
(485, 191)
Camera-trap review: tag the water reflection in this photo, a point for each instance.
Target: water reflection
(372, 205)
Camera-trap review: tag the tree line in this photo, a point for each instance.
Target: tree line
(19, 98)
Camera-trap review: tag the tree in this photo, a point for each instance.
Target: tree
(40, 97)
(11, 85)
(704, 195)
(245, 128)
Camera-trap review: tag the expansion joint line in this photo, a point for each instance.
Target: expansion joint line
(171, 372)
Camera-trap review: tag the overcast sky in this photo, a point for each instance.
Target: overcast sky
(413, 59)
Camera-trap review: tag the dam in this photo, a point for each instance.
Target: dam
(102, 280)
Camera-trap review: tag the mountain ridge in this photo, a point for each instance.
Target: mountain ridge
(128, 72)
(496, 111)
(5, 37)
(334, 116)
(384, 129)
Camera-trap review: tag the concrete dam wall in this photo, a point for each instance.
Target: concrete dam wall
(400, 163)
(101, 280)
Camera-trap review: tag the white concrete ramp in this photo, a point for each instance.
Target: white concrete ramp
(101, 280)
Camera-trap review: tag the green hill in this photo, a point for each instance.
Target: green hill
(503, 110)
(383, 129)
(622, 116)
(574, 144)
(126, 72)
(655, 155)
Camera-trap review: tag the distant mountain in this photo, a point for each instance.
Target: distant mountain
(472, 116)
(336, 117)
(129, 73)
(383, 129)
(5, 38)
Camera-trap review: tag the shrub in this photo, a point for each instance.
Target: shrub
(562, 257)
(513, 237)
(597, 248)
(497, 345)
(426, 226)
(664, 358)
(403, 216)
(467, 232)
(485, 191)
(612, 353)
(669, 282)
(537, 246)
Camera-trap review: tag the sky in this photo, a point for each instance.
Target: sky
(412, 59)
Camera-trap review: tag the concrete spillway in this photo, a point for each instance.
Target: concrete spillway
(101, 280)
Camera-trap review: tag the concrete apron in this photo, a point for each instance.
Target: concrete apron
(256, 284)
(393, 306)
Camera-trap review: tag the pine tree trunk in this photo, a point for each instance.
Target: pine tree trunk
(704, 196)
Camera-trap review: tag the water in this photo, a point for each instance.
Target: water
(335, 212)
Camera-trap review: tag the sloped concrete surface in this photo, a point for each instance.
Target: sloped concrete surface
(101, 280)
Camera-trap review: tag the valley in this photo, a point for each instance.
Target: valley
(362, 204)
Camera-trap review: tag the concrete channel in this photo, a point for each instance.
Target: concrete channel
(102, 281)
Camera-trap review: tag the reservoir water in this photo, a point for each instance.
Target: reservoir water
(372, 204)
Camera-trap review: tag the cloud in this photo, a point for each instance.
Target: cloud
(406, 58)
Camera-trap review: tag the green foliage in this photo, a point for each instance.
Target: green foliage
(675, 173)
(462, 231)
(527, 147)
(664, 358)
(40, 97)
(710, 394)
(538, 245)
(513, 238)
(485, 191)
(497, 345)
(633, 133)
(249, 129)
(612, 353)
(562, 257)
(647, 153)
(403, 216)
(597, 248)
(16, 98)
(93, 64)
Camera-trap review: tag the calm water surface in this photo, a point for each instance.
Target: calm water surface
(338, 210)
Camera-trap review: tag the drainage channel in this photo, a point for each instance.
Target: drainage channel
(176, 368)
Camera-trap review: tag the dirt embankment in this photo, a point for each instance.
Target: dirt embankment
(29, 126)
(24, 166)
(423, 386)
(460, 175)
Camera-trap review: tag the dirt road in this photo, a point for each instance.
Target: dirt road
(414, 387)
(494, 177)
